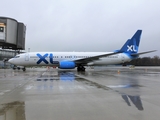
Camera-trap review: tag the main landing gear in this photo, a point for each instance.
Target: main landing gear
(81, 68)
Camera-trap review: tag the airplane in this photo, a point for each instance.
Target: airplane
(72, 60)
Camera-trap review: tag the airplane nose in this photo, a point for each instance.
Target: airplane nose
(11, 61)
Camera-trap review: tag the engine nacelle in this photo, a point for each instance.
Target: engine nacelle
(67, 65)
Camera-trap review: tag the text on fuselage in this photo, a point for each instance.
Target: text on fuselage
(42, 58)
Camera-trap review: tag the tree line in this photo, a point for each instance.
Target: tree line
(145, 61)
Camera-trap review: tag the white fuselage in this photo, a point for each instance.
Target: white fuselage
(52, 58)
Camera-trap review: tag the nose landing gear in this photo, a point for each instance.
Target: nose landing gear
(19, 67)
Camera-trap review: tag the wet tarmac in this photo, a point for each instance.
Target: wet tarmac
(113, 93)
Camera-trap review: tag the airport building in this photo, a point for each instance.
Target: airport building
(6, 54)
(12, 34)
(12, 38)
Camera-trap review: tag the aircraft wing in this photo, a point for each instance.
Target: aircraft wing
(135, 54)
(93, 58)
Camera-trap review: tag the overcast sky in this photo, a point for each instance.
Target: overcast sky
(86, 25)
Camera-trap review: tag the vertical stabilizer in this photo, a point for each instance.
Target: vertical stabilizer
(131, 46)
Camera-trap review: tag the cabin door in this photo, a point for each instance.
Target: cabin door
(26, 57)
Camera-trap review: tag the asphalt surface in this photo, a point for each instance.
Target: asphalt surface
(112, 93)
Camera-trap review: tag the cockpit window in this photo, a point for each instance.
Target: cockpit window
(16, 56)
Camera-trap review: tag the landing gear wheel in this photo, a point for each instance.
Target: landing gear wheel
(81, 68)
(24, 69)
(14, 67)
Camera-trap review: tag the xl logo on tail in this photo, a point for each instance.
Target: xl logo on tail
(131, 48)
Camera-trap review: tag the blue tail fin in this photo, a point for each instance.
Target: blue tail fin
(131, 46)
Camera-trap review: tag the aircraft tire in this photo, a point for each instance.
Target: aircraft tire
(24, 69)
(81, 68)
